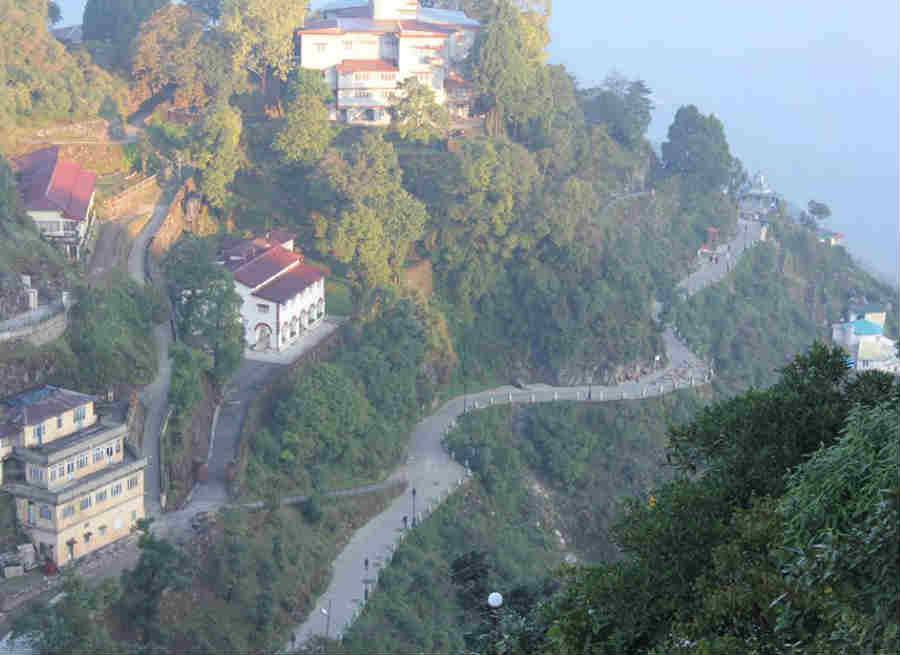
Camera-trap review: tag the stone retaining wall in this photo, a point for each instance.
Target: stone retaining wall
(41, 332)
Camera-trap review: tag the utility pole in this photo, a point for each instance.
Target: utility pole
(414, 507)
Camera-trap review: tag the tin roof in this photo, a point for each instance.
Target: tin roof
(50, 183)
(34, 406)
(291, 283)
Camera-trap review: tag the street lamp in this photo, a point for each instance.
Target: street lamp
(414, 507)
(327, 613)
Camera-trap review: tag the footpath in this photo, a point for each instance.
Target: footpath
(432, 474)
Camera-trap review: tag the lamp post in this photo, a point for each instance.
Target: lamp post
(414, 507)
(327, 613)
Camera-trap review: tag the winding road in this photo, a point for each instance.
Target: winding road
(434, 475)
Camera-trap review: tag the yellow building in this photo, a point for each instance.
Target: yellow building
(77, 487)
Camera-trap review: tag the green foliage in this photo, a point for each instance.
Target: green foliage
(207, 305)
(173, 52)
(307, 132)
(372, 221)
(186, 389)
(72, 625)
(111, 332)
(117, 22)
(160, 569)
(346, 420)
(416, 115)
(841, 533)
(216, 152)
(624, 107)
(260, 34)
(40, 82)
(697, 150)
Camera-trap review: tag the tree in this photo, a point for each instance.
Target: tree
(417, 115)
(216, 151)
(818, 210)
(697, 149)
(307, 131)
(207, 305)
(377, 220)
(625, 107)
(54, 13)
(503, 70)
(117, 21)
(164, 54)
(261, 34)
(160, 568)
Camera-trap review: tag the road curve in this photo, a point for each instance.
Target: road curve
(433, 474)
(155, 395)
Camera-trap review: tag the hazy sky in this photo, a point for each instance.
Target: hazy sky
(807, 89)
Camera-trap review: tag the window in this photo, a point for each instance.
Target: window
(102, 530)
(59, 422)
(85, 503)
(321, 47)
(61, 471)
(133, 515)
(45, 513)
(52, 474)
(39, 433)
(109, 450)
(37, 473)
(262, 309)
(70, 468)
(87, 537)
(132, 482)
(117, 524)
(118, 445)
(348, 45)
(98, 454)
(363, 94)
(80, 414)
(100, 496)
(68, 510)
(82, 460)
(116, 490)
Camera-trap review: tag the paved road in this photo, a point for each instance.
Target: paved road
(748, 233)
(432, 472)
(155, 396)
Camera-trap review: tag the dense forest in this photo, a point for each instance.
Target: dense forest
(755, 515)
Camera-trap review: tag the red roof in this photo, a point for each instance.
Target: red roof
(266, 266)
(366, 66)
(49, 183)
(288, 285)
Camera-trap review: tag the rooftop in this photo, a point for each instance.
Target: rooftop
(863, 328)
(33, 406)
(50, 183)
(98, 429)
(288, 285)
(270, 263)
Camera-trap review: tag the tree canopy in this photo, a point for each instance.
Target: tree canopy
(697, 150)
(416, 114)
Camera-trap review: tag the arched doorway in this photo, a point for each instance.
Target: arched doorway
(263, 337)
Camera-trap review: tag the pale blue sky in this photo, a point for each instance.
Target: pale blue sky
(807, 89)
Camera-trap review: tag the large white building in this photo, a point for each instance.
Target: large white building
(281, 297)
(366, 48)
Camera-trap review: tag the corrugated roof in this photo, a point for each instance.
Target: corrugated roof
(446, 17)
(288, 285)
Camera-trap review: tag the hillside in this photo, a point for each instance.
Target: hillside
(532, 253)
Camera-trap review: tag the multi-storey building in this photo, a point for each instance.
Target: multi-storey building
(77, 486)
(281, 297)
(59, 196)
(367, 48)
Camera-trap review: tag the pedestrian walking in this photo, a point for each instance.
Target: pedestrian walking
(366, 564)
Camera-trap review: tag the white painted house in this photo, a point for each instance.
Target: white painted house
(281, 297)
(863, 337)
(59, 196)
(366, 48)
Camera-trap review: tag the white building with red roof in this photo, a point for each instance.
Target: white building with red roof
(281, 297)
(58, 195)
(366, 48)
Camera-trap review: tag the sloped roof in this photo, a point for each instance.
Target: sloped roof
(50, 183)
(266, 266)
(288, 285)
(34, 406)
